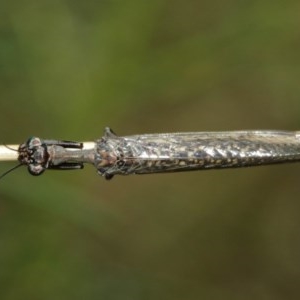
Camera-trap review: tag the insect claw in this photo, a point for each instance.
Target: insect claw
(108, 133)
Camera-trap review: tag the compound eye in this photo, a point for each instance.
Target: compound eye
(36, 170)
(34, 142)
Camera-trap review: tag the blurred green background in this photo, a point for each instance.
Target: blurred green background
(70, 68)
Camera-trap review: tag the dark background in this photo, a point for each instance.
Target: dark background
(70, 68)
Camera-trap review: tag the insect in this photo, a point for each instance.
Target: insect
(161, 153)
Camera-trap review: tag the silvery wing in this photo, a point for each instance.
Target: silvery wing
(174, 152)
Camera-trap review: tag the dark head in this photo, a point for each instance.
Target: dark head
(34, 154)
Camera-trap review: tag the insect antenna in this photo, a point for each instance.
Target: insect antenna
(10, 170)
(10, 148)
(17, 166)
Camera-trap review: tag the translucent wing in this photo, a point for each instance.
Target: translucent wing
(156, 153)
